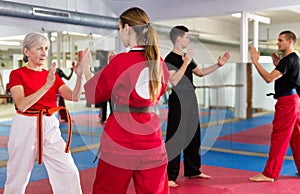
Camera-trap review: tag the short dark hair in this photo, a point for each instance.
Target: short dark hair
(177, 31)
(289, 35)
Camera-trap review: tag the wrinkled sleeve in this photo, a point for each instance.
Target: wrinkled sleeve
(99, 87)
(166, 77)
(14, 80)
(91, 87)
(170, 63)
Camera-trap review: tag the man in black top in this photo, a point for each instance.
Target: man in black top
(286, 122)
(183, 128)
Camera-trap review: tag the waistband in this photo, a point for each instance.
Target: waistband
(120, 108)
(278, 95)
(39, 127)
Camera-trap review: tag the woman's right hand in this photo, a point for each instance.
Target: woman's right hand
(51, 75)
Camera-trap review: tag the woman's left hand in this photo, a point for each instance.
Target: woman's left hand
(84, 61)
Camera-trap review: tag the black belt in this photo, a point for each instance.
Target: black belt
(145, 109)
(278, 95)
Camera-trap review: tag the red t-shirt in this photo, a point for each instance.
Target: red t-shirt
(32, 81)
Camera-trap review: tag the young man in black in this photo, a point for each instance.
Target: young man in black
(183, 129)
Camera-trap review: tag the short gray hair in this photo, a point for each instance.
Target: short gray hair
(31, 39)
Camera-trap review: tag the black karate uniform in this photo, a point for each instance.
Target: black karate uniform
(183, 127)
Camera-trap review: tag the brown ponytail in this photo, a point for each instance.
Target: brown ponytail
(146, 36)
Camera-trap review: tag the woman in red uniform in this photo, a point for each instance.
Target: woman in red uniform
(131, 146)
(35, 129)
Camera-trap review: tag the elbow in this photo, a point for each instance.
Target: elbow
(75, 97)
(173, 82)
(21, 108)
(268, 80)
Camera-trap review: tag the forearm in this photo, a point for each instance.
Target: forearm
(177, 76)
(77, 89)
(24, 103)
(262, 72)
(69, 77)
(210, 69)
(87, 74)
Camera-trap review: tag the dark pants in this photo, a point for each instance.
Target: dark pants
(183, 133)
(62, 113)
(103, 111)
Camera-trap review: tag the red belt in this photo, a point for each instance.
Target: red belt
(39, 127)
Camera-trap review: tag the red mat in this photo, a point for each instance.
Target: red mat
(259, 135)
(233, 181)
(223, 181)
(3, 141)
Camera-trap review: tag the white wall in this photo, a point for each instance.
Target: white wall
(206, 54)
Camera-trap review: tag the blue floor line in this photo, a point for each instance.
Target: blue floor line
(84, 160)
(243, 162)
(245, 147)
(4, 130)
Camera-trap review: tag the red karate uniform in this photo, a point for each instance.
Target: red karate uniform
(131, 145)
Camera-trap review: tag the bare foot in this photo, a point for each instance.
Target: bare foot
(202, 175)
(260, 178)
(172, 184)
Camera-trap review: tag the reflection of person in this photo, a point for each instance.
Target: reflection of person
(132, 146)
(102, 116)
(183, 127)
(103, 111)
(61, 100)
(286, 123)
(35, 129)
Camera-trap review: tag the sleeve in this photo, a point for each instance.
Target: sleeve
(58, 81)
(99, 87)
(281, 67)
(14, 79)
(287, 63)
(90, 88)
(59, 71)
(193, 64)
(171, 64)
(166, 77)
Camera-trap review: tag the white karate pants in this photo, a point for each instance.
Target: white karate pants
(62, 171)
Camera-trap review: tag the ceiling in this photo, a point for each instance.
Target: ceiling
(281, 13)
(174, 9)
